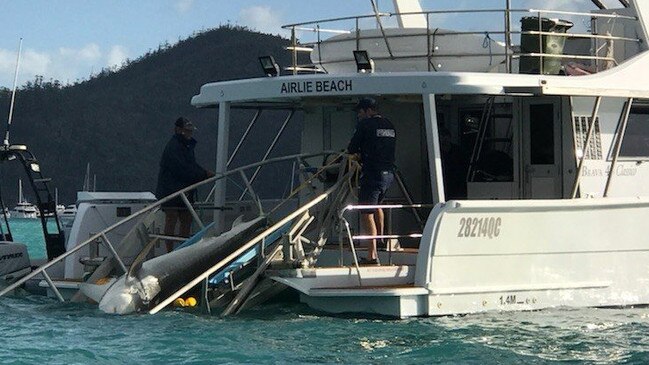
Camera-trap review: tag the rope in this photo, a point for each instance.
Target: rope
(486, 43)
(351, 164)
(433, 49)
(307, 182)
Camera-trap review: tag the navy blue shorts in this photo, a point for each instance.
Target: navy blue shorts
(374, 184)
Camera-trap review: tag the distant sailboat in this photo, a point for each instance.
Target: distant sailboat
(87, 185)
(23, 209)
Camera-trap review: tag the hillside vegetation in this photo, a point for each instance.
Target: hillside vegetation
(119, 121)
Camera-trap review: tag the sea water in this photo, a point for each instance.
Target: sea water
(29, 232)
(39, 330)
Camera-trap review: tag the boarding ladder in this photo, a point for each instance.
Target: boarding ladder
(54, 240)
(135, 247)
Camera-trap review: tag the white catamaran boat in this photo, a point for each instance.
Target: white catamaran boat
(543, 206)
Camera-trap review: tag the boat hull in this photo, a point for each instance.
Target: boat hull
(478, 256)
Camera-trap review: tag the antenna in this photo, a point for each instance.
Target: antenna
(13, 95)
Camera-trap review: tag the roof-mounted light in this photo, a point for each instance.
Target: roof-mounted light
(270, 67)
(364, 63)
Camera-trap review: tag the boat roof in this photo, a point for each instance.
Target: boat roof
(629, 80)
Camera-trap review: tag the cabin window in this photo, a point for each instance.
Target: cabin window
(581, 132)
(635, 143)
(492, 159)
(542, 134)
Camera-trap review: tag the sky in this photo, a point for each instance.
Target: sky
(69, 40)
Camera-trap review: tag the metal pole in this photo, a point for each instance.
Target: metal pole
(13, 93)
(53, 287)
(243, 138)
(389, 242)
(192, 211)
(341, 259)
(599, 4)
(618, 144)
(434, 155)
(586, 145)
(540, 44)
(206, 299)
(380, 23)
(353, 249)
(112, 250)
(221, 163)
(406, 194)
(508, 35)
(269, 150)
(292, 178)
(358, 35)
(252, 192)
(429, 50)
(294, 53)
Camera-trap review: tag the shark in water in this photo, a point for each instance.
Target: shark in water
(151, 282)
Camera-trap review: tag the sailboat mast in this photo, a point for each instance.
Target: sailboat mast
(13, 94)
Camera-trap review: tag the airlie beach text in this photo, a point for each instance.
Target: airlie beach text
(320, 86)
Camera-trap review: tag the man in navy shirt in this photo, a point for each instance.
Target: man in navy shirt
(373, 144)
(179, 169)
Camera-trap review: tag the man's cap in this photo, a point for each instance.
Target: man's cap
(184, 123)
(366, 103)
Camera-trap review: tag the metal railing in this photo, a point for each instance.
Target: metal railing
(152, 209)
(299, 219)
(346, 231)
(505, 34)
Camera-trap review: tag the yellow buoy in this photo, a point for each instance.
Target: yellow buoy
(190, 302)
(179, 302)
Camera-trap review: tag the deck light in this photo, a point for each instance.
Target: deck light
(270, 67)
(363, 62)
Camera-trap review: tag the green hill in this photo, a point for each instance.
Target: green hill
(119, 121)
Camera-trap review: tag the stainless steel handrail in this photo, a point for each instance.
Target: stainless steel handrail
(351, 238)
(149, 209)
(331, 20)
(507, 32)
(581, 13)
(296, 214)
(461, 11)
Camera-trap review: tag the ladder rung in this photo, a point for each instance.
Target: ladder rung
(45, 179)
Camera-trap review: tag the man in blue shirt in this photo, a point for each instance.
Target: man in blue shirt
(373, 144)
(178, 170)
